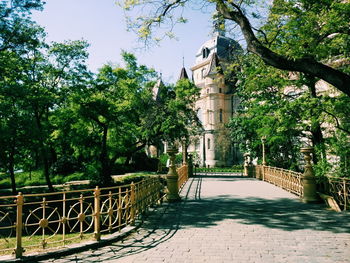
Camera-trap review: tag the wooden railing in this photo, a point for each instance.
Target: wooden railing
(288, 180)
(35, 222)
(183, 176)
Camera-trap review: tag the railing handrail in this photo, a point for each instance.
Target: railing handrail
(337, 187)
(96, 210)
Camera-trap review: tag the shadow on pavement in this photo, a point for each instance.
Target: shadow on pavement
(163, 223)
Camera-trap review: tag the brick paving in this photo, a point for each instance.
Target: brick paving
(231, 219)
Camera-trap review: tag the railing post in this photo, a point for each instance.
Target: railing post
(172, 177)
(19, 225)
(97, 226)
(132, 212)
(308, 179)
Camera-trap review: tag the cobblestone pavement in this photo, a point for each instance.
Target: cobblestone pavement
(232, 219)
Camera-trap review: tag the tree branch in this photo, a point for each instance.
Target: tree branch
(306, 65)
(337, 122)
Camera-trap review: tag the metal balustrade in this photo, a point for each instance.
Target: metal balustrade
(337, 187)
(288, 180)
(183, 176)
(36, 222)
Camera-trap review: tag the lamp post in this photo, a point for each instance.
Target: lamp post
(263, 141)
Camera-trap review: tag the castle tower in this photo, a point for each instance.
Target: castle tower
(217, 102)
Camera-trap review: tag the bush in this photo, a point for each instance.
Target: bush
(119, 168)
(65, 165)
(142, 162)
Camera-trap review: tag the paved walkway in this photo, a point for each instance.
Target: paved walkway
(232, 219)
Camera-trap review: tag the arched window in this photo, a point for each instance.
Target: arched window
(220, 115)
(208, 143)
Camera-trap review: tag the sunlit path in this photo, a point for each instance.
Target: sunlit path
(232, 219)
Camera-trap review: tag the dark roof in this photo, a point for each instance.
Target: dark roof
(214, 66)
(183, 74)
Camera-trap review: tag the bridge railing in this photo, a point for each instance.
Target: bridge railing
(37, 222)
(183, 176)
(288, 180)
(337, 187)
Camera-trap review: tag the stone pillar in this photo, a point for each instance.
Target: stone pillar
(263, 140)
(246, 164)
(184, 152)
(308, 179)
(190, 166)
(172, 177)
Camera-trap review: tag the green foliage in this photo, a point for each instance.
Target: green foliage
(163, 158)
(65, 165)
(35, 178)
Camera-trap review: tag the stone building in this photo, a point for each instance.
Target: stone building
(217, 102)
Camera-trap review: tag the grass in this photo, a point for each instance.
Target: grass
(135, 177)
(34, 244)
(35, 178)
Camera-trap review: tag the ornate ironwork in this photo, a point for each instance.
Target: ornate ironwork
(55, 218)
(337, 187)
(288, 180)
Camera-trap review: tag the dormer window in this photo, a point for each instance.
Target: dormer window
(205, 52)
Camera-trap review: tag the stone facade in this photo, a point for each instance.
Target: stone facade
(216, 104)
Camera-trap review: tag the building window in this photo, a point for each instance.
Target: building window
(200, 115)
(203, 73)
(208, 116)
(205, 52)
(220, 90)
(220, 115)
(208, 143)
(207, 91)
(197, 146)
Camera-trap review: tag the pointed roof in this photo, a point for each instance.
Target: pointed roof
(183, 74)
(157, 89)
(214, 65)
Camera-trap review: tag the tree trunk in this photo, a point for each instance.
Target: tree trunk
(105, 173)
(44, 153)
(11, 168)
(316, 131)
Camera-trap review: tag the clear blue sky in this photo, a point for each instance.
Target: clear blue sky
(102, 24)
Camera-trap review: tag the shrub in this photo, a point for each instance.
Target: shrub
(65, 165)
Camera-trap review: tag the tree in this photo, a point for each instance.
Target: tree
(105, 120)
(326, 17)
(17, 34)
(288, 111)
